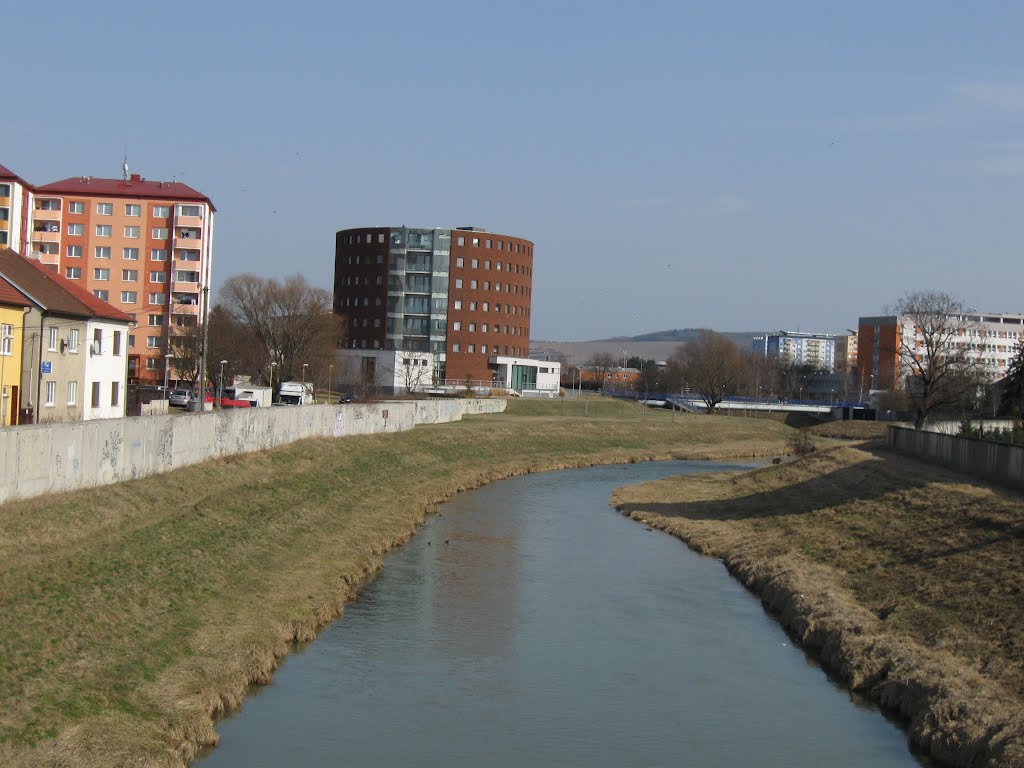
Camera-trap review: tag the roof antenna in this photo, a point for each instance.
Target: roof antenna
(124, 167)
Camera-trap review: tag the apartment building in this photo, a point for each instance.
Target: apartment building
(146, 247)
(462, 295)
(816, 349)
(993, 339)
(15, 201)
(846, 354)
(73, 348)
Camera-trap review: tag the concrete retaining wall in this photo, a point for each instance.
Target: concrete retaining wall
(49, 458)
(981, 458)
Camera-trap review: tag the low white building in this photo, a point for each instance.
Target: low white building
(106, 369)
(524, 376)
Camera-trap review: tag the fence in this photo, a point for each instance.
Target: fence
(48, 458)
(981, 458)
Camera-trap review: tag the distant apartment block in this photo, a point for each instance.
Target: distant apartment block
(461, 295)
(798, 348)
(846, 354)
(145, 247)
(15, 197)
(992, 338)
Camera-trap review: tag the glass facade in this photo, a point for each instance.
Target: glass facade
(417, 304)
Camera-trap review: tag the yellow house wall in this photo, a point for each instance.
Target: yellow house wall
(10, 365)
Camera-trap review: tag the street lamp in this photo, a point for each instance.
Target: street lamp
(303, 396)
(167, 365)
(330, 376)
(220, 383)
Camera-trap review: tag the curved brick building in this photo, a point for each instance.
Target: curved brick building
(460, 295)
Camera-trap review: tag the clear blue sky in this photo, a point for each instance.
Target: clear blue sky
(740, 166)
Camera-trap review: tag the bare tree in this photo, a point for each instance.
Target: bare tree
(710, 366)
(940, 363)
(599, 365)
(187, 349)
(1011, 400)
(291, 323)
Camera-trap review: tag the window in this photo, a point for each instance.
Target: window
(78, 207)
(472, 285)
(132, 209)
(456, 326)
(95, 394)
(73, 273)
(72, 392)
(460, 241)
(103, 230)
(497, 265)
(158, 277)
(117, 343)
(129, 297)
(73, 340)
(6, 339)
(97, 341)
(472, 327)
(472, 306)
(483, 328)
(185, 276)
(101, 294)
(487, 244)
(46, 247)
(102, 252)
(161, 212)
(188, 210)
(157, 298)
(458, 303)
(104, 209)
(130, 254)
(476, 241)
(153, 342)
(152, 364)
(155, 320)
(53, 338)
(460, 262)
(159, 233)
(130, 275)
(455, 347)
(132, 232)
(48, 205)
(158, 254)
(115, 393)
(74, 251)
(487, 265)
(458, 282)
(471, 348)
(101, 274)
(75, 229)
(51, 392)
(487, 285)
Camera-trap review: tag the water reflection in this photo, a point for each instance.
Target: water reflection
(550, 630)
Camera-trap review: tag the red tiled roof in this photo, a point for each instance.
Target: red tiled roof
(133, 187)
(55, 293)
(11, 296)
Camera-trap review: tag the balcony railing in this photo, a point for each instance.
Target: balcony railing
(178, 286)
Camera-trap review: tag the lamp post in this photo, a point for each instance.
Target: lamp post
(220, 383)
(167, 365)
(303, 395)
(330, 377)
(272, 367)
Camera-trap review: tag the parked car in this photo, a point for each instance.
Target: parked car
(178, 398)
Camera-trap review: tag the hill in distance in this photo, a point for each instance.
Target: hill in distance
(656, 346)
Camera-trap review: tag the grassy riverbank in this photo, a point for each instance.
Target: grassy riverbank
(905, 579)
(135, 613)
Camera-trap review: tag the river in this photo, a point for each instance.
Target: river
(531, 624)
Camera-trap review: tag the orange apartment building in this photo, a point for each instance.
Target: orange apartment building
(145, 247)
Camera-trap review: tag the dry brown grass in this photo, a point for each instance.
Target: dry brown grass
(903, 578)
(851, 430)
(136, 613)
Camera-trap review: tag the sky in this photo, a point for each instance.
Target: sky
(732, 165)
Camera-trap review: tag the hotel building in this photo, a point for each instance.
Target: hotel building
(460, 295)
(145, 247)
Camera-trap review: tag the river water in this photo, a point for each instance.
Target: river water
(532, 625)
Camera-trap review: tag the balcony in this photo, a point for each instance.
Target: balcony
(184, 309)
(178, 286)
(185, 264)
(46, 232)
(188, 221)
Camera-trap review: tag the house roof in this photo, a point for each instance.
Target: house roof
(11, 296)
(134, 187)
(53, 293)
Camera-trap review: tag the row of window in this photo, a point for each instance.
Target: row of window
(128, 254)
(50, 388)
(107, 209)
(494, 328)
(501, 244)
(517, 269)
(72, 341)
(486, 306)
(509, 287)
(132, 275)
(130, 232)
(471, 349)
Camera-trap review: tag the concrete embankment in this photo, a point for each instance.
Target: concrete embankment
(902, 580)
